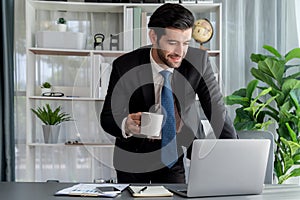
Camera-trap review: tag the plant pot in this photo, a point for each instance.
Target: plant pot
(292, 180)
(45, 90)
(51, 133)
(62, 27)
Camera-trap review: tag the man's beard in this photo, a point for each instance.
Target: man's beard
(162, 57)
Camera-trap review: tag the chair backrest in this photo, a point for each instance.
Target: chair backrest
(256, 134)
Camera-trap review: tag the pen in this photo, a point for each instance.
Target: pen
(143, 189)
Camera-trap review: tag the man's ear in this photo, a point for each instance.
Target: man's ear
(153, 36)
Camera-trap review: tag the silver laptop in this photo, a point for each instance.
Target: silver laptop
(226, 167)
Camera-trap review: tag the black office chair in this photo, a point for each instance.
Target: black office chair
(256, 134)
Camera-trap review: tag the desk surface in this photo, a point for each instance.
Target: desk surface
(45, 191)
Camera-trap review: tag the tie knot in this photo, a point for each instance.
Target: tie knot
(166, 74)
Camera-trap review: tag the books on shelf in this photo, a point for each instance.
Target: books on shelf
(98, 59)
(144, 29)
(137, 11)
(128, 31)
(136, 31)
(105, 69)
(100, 77)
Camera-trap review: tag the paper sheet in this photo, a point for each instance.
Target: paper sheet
(91, 190)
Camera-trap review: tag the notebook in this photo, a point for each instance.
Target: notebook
(226, 167)
(149, 191)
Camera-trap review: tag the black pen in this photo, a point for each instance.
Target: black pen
(143, 189)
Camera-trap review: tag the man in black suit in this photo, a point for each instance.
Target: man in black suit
(135, 86)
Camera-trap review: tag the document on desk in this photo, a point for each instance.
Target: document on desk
(96, 190)
(149, 191)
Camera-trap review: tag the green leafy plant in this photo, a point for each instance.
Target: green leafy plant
(51, 117)
(46, 85)
(61, 20)
(273, 97)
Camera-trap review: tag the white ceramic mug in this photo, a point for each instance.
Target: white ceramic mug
(151, 123)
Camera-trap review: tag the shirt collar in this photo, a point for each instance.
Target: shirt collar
(156, 66)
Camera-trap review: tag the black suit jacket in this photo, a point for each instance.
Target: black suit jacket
(131, 90)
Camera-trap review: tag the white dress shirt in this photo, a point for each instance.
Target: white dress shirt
(158, 81)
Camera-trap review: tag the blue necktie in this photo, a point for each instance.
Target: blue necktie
(169, 153)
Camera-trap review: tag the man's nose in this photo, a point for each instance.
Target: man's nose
(179, 49)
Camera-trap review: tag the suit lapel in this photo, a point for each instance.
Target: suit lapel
(178, 85)
(145, 79)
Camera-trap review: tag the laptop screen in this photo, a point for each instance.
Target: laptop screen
(227, 167)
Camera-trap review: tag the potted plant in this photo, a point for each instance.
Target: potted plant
(273, 97)
(51, 119)
(61, 24)
(46, 87)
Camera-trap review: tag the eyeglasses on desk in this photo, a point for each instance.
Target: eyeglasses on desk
(53, 94)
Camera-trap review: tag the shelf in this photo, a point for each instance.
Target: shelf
(65, 98)
(77, 6)
(60, 52)
(79, 73)
(193, 7)
(70, 145)
(73, 52)
(213, 52)
(115, 7)
(109, 53)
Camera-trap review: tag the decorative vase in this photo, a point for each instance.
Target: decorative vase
(51, 133)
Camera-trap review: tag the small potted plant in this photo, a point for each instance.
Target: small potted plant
(46, 87)
(61, 24)
(51, 119)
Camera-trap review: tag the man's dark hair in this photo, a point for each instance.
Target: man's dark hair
(170, 16)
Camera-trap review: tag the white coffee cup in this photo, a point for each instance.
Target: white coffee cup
(151, 123)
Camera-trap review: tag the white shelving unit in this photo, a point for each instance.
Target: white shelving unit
(80, 67)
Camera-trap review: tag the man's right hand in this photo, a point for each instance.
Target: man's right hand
(133, 123)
